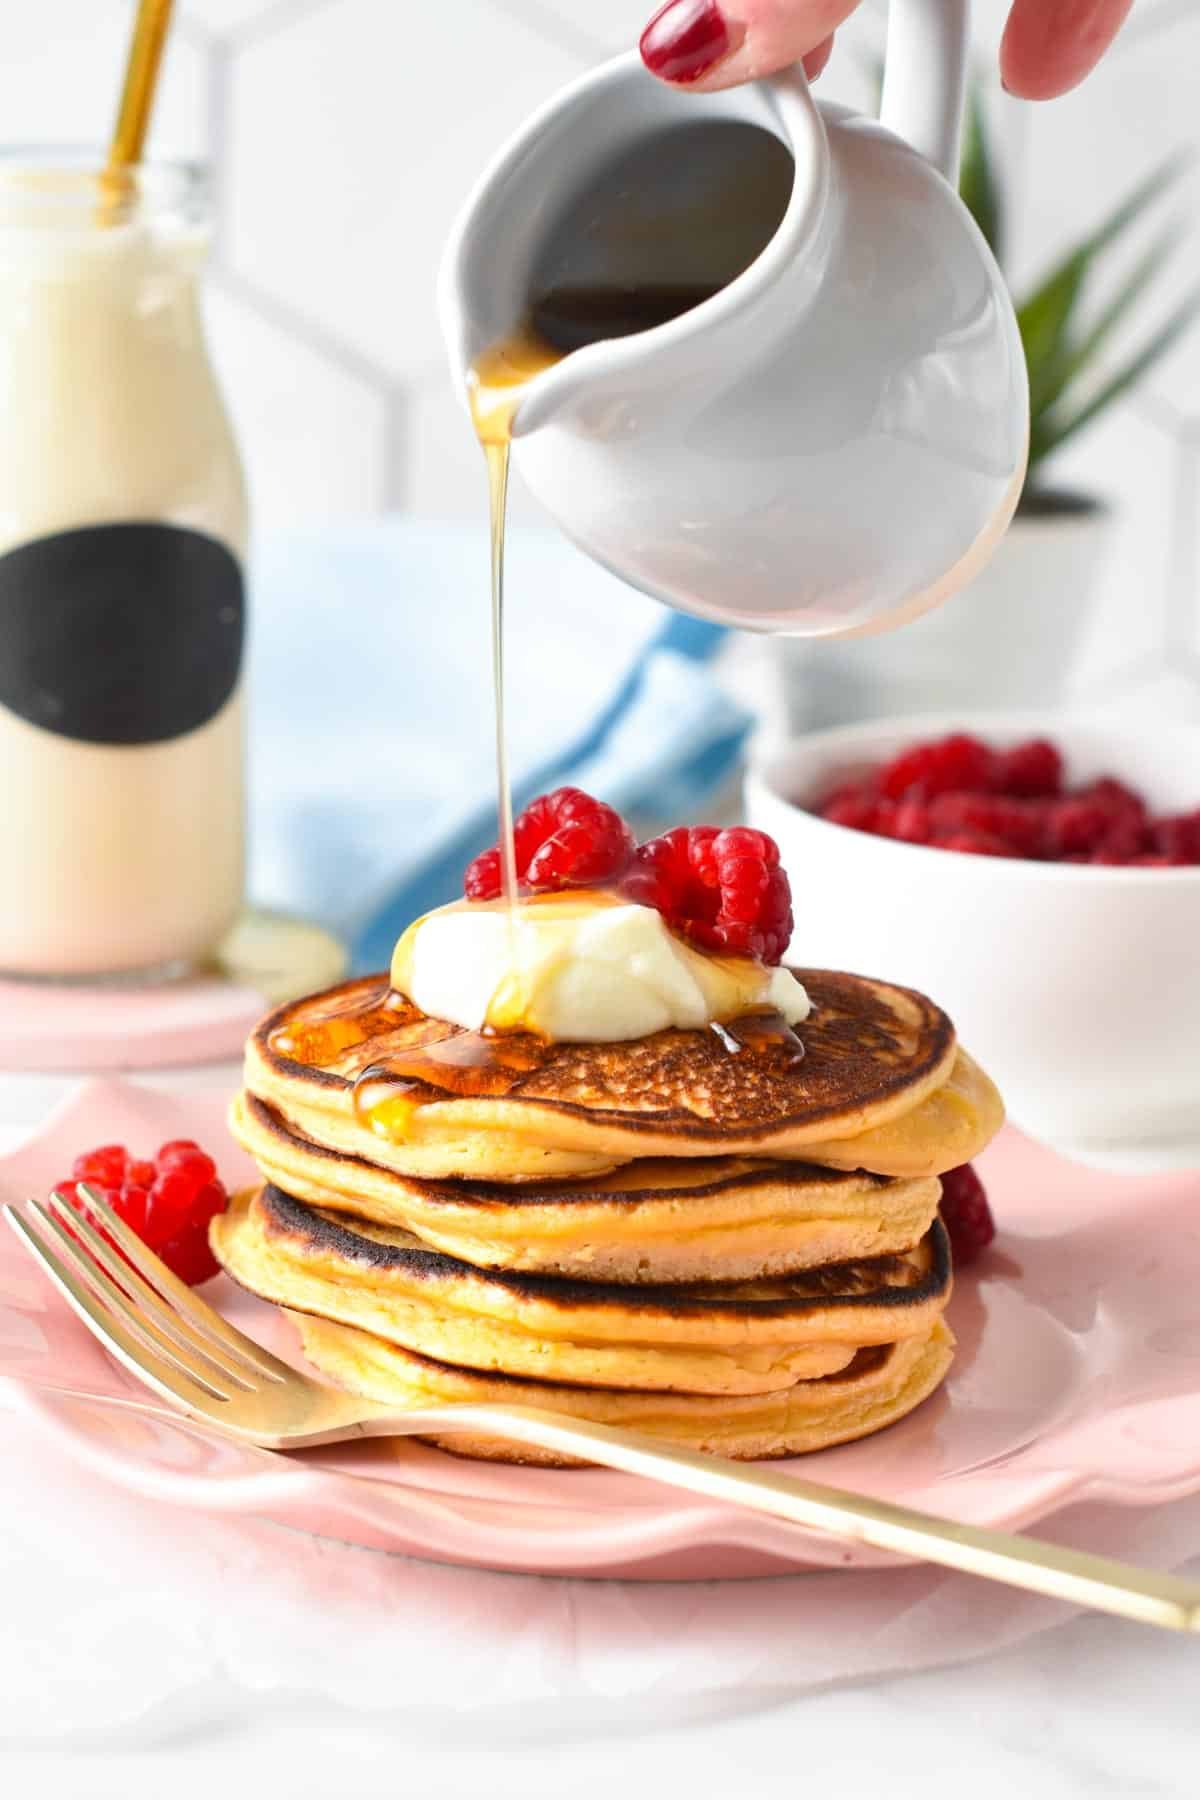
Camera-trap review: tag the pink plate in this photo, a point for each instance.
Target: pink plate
(1078, 1377)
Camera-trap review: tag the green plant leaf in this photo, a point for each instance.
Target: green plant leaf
(1045, 317)
(977, 181)
(1053, 429)
(1050, 381)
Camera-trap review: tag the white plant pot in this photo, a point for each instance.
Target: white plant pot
(1010, 639)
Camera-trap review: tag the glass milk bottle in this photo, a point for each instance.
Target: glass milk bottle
(122, 532)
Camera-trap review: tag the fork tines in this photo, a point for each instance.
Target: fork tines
(149, 1319)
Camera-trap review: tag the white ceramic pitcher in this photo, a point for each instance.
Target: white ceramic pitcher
(836, 440)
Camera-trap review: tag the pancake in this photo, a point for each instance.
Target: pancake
(700, 1338)
(655, 1220)
(875, 1389)
(875, 1058)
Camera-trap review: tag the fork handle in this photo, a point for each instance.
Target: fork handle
(1147, 1595)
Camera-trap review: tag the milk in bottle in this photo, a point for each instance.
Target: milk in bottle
(122, 529)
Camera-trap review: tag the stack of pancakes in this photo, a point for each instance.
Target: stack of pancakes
(725, 1243)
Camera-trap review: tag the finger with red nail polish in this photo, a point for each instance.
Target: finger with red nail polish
(685, 39)
(710, 44)
(1050, 45)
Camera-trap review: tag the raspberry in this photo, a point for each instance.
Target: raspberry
(168, 1203)
(190, 1256)
(564, 839)
(912, 823)
(723, 889)
(887, 812)
(1115, 795)
(909, 772)
(973, 843)
(171, 1200)
(1177, 836)
(855, 806)
(484, 876)
(211, 1200)
(1124, 839)
(957, 761)
(1016, 823)
(1031, 770)
(966, 1214)
(169, 1151)
(1076, 824)
(187, 1158)
(106, 1166)
(132, 1204)
(954, 793)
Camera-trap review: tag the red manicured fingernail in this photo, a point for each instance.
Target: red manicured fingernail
(684, 39)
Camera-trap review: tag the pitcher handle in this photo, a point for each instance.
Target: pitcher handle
(925, 76)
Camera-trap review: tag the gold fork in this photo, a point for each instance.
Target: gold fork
(188, 1354)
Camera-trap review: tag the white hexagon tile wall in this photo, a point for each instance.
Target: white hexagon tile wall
(343, 133)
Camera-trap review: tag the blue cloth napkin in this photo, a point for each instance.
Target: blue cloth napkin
(372, 774)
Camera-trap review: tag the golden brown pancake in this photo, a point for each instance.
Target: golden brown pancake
(875, 1057)
(655, 1220)
(877, 1387)
(714, 1338)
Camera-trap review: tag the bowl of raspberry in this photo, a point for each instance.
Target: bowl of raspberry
(1041, 875)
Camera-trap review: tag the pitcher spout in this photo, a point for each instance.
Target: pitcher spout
(637, 229)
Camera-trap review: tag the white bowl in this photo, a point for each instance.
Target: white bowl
(1077, 987)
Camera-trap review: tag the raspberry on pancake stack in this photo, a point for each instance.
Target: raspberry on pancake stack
(600, 1152)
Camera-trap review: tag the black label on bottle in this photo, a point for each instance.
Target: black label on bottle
(120, 634)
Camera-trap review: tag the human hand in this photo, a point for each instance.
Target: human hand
(1048, 46)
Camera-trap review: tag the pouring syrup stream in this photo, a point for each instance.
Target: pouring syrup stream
(561, 320)
(495, 385)
(497, 474)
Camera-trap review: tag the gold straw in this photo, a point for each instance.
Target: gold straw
(141, 79)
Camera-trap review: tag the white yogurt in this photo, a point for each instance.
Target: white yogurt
(578, 967)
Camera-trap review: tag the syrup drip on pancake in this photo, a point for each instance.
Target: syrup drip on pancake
(468, 1064)
(316, 1041)
(458, 1064)
(488, 1063)
(761, 1032)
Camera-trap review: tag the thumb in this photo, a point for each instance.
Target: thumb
(709, 44)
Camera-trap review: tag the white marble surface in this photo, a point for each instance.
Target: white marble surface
(1092, 1708)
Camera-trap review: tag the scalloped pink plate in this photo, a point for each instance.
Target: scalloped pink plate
(1077, 1377)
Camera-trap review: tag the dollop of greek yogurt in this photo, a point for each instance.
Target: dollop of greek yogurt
(582, 967)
